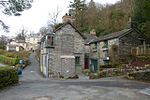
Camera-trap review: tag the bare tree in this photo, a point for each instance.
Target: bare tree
(21, 36)
(4, 26)
(54, 17)
(3, 41)
(43, 30)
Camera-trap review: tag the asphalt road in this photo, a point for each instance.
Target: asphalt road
(34, 87)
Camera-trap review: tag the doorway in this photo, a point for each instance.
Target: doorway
(94, 65)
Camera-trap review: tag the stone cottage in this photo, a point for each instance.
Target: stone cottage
(92, 51)
(65, 56)
(120, 45)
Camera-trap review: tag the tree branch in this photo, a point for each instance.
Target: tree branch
(4, 26)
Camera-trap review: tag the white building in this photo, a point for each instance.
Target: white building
(32, 41)
(16, 46)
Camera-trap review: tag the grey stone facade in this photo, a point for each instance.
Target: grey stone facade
(69, 44)
(127, 42)
(92, 52)
(124, 41)
(73, 52)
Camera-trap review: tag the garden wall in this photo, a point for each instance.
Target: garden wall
(142, 76)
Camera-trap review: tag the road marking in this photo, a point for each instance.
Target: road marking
(42, 98)
(31, 71)
(146, 91)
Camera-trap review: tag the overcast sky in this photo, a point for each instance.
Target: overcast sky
(37, 17)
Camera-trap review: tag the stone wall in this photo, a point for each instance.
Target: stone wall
(67, 66)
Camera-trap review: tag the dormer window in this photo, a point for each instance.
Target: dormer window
(49, 40)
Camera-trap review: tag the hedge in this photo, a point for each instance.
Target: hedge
(9, 60)
(142, 76)
(8, 76)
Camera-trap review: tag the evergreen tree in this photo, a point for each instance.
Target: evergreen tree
(142, 15)
(92, 14)
(77, 11)
(13, 7)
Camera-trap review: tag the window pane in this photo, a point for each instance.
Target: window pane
(77, 60)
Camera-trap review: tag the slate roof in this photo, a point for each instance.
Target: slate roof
(122, 33)
(116, 34)
(72, 26)
(42, 39)
(119, 34)
(90, 38)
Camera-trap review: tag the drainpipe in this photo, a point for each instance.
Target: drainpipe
(98, 52)
(47, 64)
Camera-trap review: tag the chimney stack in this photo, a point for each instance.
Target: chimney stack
(131, 23)
(130, 19)
(67, 18)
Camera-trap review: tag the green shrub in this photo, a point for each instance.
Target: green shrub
(23, 54)
(8, 60)
(8, 76)
(144, 57)
(2, 52)
(106, 66)
(10, 54)
(73, 77)
(94, 76)
(147, 66)
(108, 73)
(86, 72)
(27, 62)
(12, 58)
(142, 76)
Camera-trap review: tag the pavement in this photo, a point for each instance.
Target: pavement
(33, 86)
(32, 72)
(146, 91)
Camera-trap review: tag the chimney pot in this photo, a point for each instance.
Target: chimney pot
(67, 18)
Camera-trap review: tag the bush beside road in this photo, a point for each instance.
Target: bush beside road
(8, 76)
